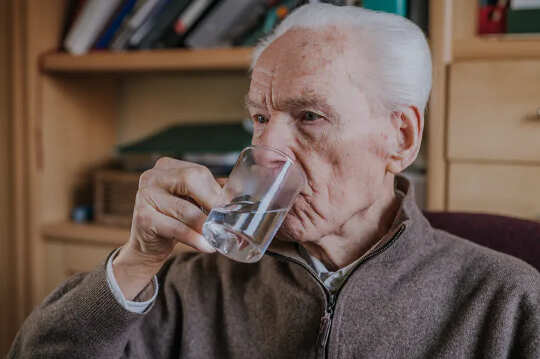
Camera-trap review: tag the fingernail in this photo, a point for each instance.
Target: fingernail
(205, 246)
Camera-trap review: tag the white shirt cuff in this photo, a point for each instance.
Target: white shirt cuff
(129, 305)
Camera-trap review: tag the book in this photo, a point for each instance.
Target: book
(254, 16)
(525, 5)
(148, 24)
(270, 21)
(177, 140)
(214, 29)
(185, 22)
(492, 16)
(73, 10)
(398, 7)
(89, 24)
(142, 10)
(523, 21)
(418, 13)
(163, 21)
(106, 37)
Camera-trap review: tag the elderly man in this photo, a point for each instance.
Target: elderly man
(356, 270)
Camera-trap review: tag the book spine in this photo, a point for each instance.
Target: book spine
(525, 5)
(398, 7)
(211, 31)
(523, 21)
(107, 36)
(88, 25)
(74, 10)
(135, 20)
(162, 22)
(188, 17)
(419, 13)
(148, 24)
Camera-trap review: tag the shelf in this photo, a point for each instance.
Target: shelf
(238, 58)
(92, 234)
(497, 47)
(69, 231)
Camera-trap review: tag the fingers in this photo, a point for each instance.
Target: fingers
(168, 163)
(174, 207)
(194, 181)
(160, 226)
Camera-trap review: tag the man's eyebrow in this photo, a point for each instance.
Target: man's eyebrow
(302, 102)
(310, 101)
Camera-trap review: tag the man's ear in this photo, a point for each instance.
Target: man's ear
(409, 125)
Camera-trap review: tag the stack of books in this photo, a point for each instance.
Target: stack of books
(150, 24)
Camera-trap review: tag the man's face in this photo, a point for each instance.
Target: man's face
(303, 102)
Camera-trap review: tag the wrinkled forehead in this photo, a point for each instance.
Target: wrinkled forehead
(300, 56)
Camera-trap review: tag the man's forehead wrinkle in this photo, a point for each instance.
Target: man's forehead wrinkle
(302, 51)
(254, 102)
(297, 68)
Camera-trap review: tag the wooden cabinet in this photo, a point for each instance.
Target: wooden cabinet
(494, 137)
(65, 259)
(506, 189)
(494, 111)
(484, 125)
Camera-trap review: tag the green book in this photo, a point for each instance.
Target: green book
(398, 7)
(523, 21)
(196, 138)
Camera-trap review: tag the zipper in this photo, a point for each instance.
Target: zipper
(326, 321)
(331, 298)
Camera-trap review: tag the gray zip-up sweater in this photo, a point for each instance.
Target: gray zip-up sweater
(422, 293)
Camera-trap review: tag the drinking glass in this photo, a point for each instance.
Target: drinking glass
(256, 198)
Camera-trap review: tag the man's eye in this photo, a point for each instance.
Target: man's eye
(309, 116)
(260, 119)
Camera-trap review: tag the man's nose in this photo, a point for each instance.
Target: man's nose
(278, 134)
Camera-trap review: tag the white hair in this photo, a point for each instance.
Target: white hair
(396, 50)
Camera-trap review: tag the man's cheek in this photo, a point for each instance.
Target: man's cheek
(379, 146)
(292, 228)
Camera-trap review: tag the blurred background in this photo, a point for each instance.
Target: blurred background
(92, 92)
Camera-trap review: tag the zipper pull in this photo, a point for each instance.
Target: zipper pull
(326, 321)
(324, 329)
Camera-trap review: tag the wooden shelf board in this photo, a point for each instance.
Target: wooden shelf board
(238, 58)
(496, 47)
(70, 231)
(92, 234)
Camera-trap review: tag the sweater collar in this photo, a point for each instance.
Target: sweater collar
(408, 216)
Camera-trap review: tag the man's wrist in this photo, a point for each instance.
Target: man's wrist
(140, 264)
(133, 271)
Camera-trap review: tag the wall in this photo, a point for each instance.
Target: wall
(183, 98)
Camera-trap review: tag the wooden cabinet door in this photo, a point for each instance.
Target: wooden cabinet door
(494, 110)
(511, 190)
(65, 259)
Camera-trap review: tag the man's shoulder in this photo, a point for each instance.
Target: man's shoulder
(482, 263)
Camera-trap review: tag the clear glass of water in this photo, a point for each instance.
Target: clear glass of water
(256, 198)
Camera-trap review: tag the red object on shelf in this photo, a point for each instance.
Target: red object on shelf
(492, 19)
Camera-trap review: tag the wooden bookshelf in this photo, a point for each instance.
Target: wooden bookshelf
(238, 58)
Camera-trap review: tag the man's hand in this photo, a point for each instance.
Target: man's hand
(168, 209)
